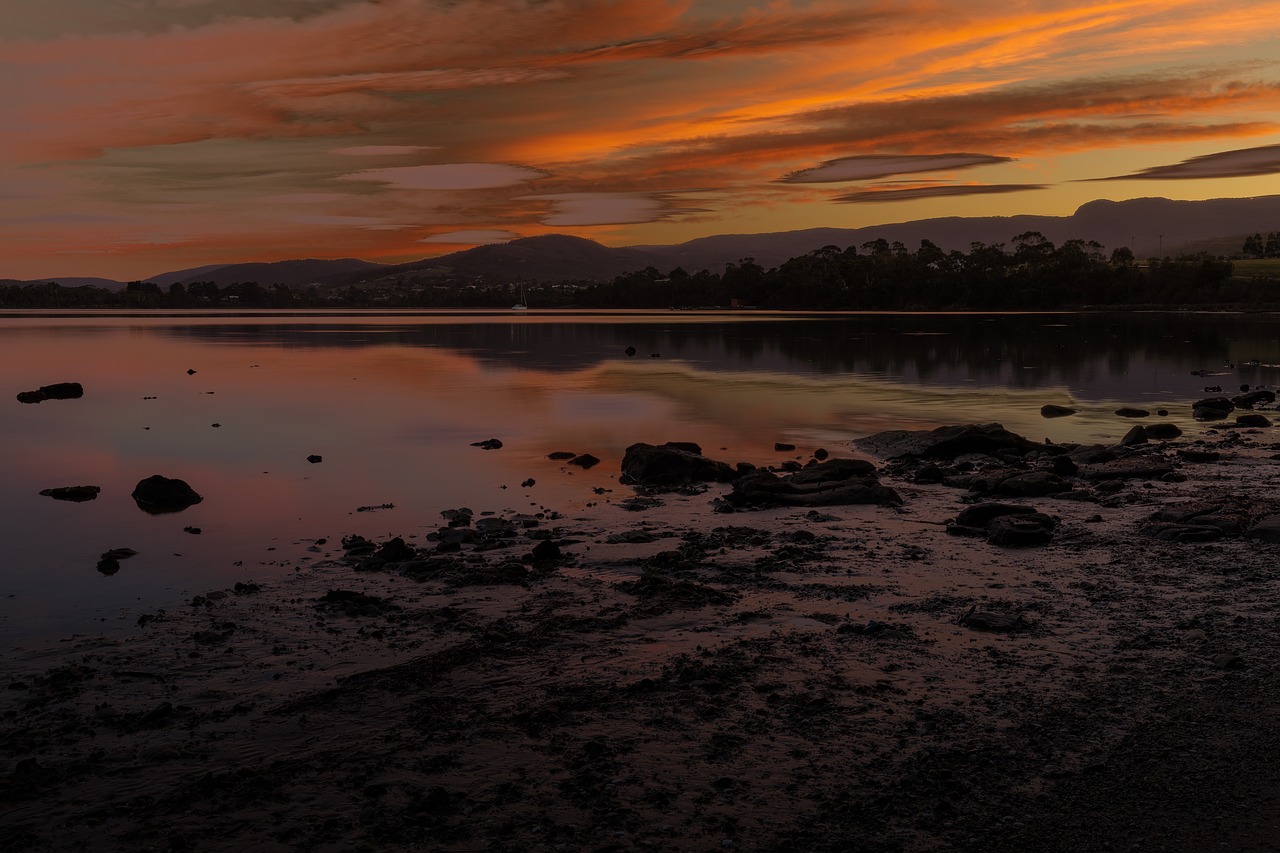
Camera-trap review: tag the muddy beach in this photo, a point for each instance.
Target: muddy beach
(703, 667)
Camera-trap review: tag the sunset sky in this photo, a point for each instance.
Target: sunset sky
(139, 136)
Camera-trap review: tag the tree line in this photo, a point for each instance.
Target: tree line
(1030, 274)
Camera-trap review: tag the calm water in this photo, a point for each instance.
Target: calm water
(393, 401)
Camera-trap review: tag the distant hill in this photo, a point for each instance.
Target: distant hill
(1148, 226)
(551, 257)
(300, 273)
(69, 281)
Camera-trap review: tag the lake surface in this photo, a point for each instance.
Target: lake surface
(393, 401)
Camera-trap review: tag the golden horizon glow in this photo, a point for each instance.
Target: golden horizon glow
(173, 135)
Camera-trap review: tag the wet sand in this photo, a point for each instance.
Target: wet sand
(684, 679)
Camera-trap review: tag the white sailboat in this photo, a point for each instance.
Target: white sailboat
(523, 304)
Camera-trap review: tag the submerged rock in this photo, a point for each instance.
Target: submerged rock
(56, 391)
(488, 444)
(157, 494)
(1052, 411)
(72, 493)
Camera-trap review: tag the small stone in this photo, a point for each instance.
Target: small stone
(488, 444)
(314, 458)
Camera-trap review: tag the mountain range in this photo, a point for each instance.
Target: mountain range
(1147, 226)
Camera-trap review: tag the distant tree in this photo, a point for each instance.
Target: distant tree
(1272, 247)
(1122, 257)
(1253, 247)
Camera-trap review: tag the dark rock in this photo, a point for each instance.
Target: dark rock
(460, 517)
(783, 448)
(950, 441)
(314, 458)
(561, 454)
(1063, 466)
(1266, 529)
(821, 454)
(1253, 398)
(1020, 531)
(1052, 411)
(1093, 454)
(671, 465)
(1212, 409)
(108, 565)
(630, 351)
(1173, 532)
(545, 550)
(194, 531)
(585, 460)
(56, 391)
(1162, 432)
(528, 484)
(191, 372)
(980, 515)
(1199, 455)
(72, 493)
(488, 444)
(157, 494)
(395, 551)
(929, 474)
(1034, 484)
(1134, 437)
(1253, 420)
(1130, 412)
(835, 482)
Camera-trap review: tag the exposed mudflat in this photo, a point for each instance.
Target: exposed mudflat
(833, 679)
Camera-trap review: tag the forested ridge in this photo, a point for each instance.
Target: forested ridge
(1030, 273)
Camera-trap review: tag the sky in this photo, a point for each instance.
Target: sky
(142, 136)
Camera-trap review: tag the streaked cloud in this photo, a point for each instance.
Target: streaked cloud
(871, 166)
(579, 209)
(882, 195)
(1240, 163)
(380, 150)
(478, 237)
(449, 176)
(606, 118)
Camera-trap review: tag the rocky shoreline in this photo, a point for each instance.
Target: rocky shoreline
(976, 642)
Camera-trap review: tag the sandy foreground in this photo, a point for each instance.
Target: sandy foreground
(683, 679)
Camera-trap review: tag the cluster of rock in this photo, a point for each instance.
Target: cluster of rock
(1210, 520)
(1208, 409)
(992, 463)
(826, 482)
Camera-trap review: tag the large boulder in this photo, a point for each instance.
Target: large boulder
(948, 442)
(672, 465)
(157, 494)
(836, 482)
